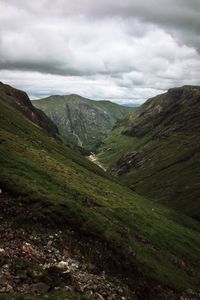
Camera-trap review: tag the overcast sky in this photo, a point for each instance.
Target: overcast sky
(125, 51)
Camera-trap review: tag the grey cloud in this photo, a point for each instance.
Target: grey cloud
(182, 15)
(108, 49)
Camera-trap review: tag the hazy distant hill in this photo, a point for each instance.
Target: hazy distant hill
(81, 121)
(156, 149)
(131, 105)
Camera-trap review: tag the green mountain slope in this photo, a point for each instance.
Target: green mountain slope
(20, 101)
(81, 121)
(155, 150)
(152, 249)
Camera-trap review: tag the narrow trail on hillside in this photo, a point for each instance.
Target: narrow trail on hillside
(95, 160)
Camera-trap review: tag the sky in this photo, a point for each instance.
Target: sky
(124, 51)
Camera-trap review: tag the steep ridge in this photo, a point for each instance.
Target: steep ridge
(20, 101)
(155, 150)
(59, 209)
(81, 121)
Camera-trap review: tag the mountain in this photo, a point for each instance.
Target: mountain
(71, 231)
(81, 121)
(155, 149)
(20, 101)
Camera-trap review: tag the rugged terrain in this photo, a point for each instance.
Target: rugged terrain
(155, 150)
(70, 231)
(82, 122)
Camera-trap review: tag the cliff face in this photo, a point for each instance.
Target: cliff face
(81, 121)
(159, 151)
(21, 102)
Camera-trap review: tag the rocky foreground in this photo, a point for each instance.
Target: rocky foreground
(39, 261)
(43, 261)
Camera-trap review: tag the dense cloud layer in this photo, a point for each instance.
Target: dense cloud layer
(126, 51)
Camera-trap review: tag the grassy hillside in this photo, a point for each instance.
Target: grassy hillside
(155, 150)
(157, 248)
(81, 121)
(19, 100)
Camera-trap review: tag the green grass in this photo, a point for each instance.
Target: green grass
(117, 145)
(57, 295)
(38, 169)
(163, 133)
